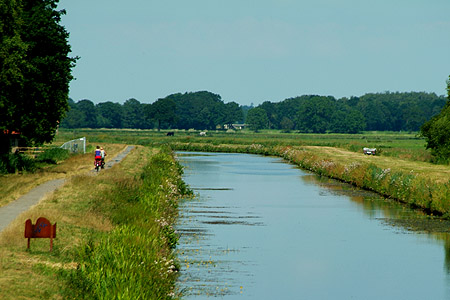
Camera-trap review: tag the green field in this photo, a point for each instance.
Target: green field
(393, 144)
(100, 229)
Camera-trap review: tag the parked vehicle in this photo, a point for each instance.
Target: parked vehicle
(370, 151)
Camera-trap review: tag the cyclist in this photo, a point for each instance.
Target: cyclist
(98, 155)
(103, 154)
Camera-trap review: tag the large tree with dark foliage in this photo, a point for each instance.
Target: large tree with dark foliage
(257, 119)
(133, 115)
(232, 113)
(35, 68)
(346, 119)
(162, 112)
(437, 131)
(199, 110)
(109, 115)
(314, 114)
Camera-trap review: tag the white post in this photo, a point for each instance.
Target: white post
(84, 144)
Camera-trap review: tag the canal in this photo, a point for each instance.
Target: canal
(260, 228)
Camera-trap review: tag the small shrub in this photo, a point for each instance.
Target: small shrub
(10, 163)
(53, 155)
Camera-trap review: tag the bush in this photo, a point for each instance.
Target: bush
(10, 163)
(53, 155)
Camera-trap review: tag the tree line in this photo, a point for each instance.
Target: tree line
(308, 113)
(198, 110)
(371, 112)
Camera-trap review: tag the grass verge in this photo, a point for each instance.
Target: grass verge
(114, 237)
(12, 186)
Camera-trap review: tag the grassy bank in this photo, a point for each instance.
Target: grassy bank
(114, 236)
(12, 186)
(420, 185)
(402, 170)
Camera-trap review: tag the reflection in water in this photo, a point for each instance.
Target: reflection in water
(393, 213)
(261, 229)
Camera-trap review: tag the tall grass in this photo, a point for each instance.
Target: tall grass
(135, 260)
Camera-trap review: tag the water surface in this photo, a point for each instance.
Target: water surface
(262, 229)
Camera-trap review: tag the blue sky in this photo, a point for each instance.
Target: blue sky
(252, 51)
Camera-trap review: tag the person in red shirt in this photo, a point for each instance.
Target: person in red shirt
(98, 155)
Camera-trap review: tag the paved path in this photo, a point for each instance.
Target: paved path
(9, 212)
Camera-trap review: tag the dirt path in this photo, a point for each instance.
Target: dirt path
(9, 212)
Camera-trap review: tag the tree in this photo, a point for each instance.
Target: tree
(272, 114)
(286, 124)
(232, 114)
(289, 108)
(162, 111)
(74, 117)
(346, 119)
(199, 110)
(88, 114)
(109, 115)
(257, 119)
(35, 69)
(12, 62)
(315, 114)
(134, 115)
(437, 131)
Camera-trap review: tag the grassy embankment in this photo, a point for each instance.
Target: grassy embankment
(418, 184)
(114, 235)
(402, 171)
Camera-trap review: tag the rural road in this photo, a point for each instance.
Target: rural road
(9, 212)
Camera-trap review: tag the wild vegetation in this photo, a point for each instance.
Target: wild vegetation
(114, 238)
(10, 163)
(134, 260)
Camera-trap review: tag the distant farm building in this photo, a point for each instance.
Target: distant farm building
(235, 126)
